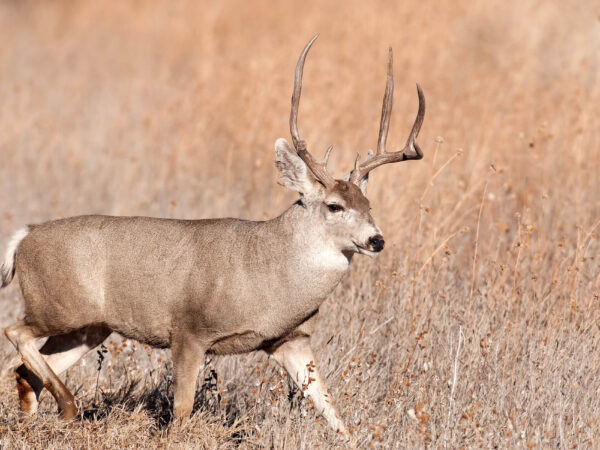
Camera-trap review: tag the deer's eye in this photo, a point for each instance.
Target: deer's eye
(335, 208)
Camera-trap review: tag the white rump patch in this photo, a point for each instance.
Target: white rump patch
(8, 266)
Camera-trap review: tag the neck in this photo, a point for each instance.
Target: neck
(291, 252)
(308, 240)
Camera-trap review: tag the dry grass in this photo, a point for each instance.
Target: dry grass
(477, 327)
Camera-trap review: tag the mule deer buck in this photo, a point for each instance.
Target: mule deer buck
(218, 286)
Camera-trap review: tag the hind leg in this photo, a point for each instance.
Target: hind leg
(61, 352)
(23, 337)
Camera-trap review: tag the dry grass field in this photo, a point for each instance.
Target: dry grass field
(478, 326)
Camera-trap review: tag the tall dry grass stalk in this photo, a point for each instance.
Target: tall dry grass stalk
(477, 326)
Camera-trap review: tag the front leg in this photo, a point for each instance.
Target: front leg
(188, 357)
(297, 358)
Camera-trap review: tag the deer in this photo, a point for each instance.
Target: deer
(200, 287)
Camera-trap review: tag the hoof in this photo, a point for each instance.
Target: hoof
(68, 410)
(348, 438)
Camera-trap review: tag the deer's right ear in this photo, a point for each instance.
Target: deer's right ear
(293, 172)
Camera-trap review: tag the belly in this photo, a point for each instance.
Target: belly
(243, 342)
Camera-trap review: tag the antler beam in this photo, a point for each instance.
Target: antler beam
(318, 168)
(410, 151)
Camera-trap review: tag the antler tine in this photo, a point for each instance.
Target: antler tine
(410, 151)
(386, 107)
(411, 142)
(356, 163)
(318, 169)
(327, 153)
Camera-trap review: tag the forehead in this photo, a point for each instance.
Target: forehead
(351, 195)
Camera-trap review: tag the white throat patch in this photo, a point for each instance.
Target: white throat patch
(329, 259)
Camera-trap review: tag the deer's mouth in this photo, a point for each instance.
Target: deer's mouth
(365, 251)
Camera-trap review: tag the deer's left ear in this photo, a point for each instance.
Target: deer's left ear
(293, 172)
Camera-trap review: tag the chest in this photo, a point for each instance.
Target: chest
(255, 303)
(313, 274)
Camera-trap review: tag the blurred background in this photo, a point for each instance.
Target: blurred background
(172, 108)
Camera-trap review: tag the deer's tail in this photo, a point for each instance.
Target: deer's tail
(7, 270)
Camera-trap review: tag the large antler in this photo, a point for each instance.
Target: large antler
(319, 169)
(410, 151)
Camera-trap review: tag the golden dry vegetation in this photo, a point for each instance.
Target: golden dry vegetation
(478, 326)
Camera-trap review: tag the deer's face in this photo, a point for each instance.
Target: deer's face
(347, 221)
(340, 213)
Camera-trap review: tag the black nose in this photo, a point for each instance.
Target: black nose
(377, 243)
